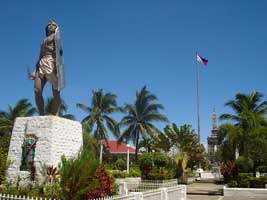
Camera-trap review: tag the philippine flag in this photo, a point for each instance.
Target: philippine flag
(202, 60)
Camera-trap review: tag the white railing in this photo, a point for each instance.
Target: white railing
(149, 185)
(177, 192)
(263, 174)
(171, 193)
(16, 197)
(166, 193)
(127, 197)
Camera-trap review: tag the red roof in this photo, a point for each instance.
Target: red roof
(114, 147)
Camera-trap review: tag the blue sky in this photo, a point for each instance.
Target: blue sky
(122, 45)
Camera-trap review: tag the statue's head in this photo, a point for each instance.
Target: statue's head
(51, 27)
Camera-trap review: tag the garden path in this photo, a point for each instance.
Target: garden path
(211, 191)
(204, 188)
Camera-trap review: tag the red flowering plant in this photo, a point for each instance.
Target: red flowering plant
(103, 186)
(227, 169)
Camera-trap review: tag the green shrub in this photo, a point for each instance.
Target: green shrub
(189, 173)
(246, 180)
(232, 184)
(110, 167)
(120, 164)
(119, 174)
(75, 175)
(145, 164)
(3, 165)
(30, 191)
(161, 160)
(156, 174)
(145, 161)
(243, 180)
(115, 189)
(134, 171)
(52, 191)
(244, 165)
(262, 169)
(173, 173)
(256, 183)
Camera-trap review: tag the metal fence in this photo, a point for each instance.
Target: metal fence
(171, 193)
(149, 185)
(15, 197)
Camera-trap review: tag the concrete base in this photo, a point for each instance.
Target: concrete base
(244, 192)
(55, 137)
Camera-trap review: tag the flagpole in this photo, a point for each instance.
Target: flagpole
(198, 101)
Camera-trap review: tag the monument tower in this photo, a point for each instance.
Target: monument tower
(213, 139)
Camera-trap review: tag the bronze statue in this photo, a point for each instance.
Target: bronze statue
(47, 68)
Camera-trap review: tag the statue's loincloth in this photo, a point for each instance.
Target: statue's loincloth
(47, 68)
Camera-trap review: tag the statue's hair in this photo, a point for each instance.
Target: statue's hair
(50, 22)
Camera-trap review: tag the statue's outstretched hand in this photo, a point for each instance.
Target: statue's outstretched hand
(31, 75)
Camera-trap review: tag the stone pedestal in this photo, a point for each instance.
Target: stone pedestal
(54, 136)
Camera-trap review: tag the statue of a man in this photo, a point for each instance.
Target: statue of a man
(46, 70)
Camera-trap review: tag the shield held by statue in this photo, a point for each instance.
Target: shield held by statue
(59, 60)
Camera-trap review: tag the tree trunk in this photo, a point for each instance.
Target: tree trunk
(136, 145)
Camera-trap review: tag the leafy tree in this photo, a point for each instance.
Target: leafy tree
(145, 165)
(244, 164)
(102, 106)
(62, 110)
(182, 139)
(160, 160)
(148, 144)
(23, 108)
(140, 117)
(249, 110)
(228, 141)
(258, 146)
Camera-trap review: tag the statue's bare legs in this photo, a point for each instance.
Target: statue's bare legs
(39, 84)
(56, 102)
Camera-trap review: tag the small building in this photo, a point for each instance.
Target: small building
(115, 148)
(112, 151)
(213, 139)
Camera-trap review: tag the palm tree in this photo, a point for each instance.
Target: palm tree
(248, 114)
(102, 105)
(23, 108)
(140, 117)
(228, 141)
(183, 137)
(148, 144)
(181, 160)
(62, 110)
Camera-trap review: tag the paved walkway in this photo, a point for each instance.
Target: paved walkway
(212, 191)
(204, 189)
(212, 197)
